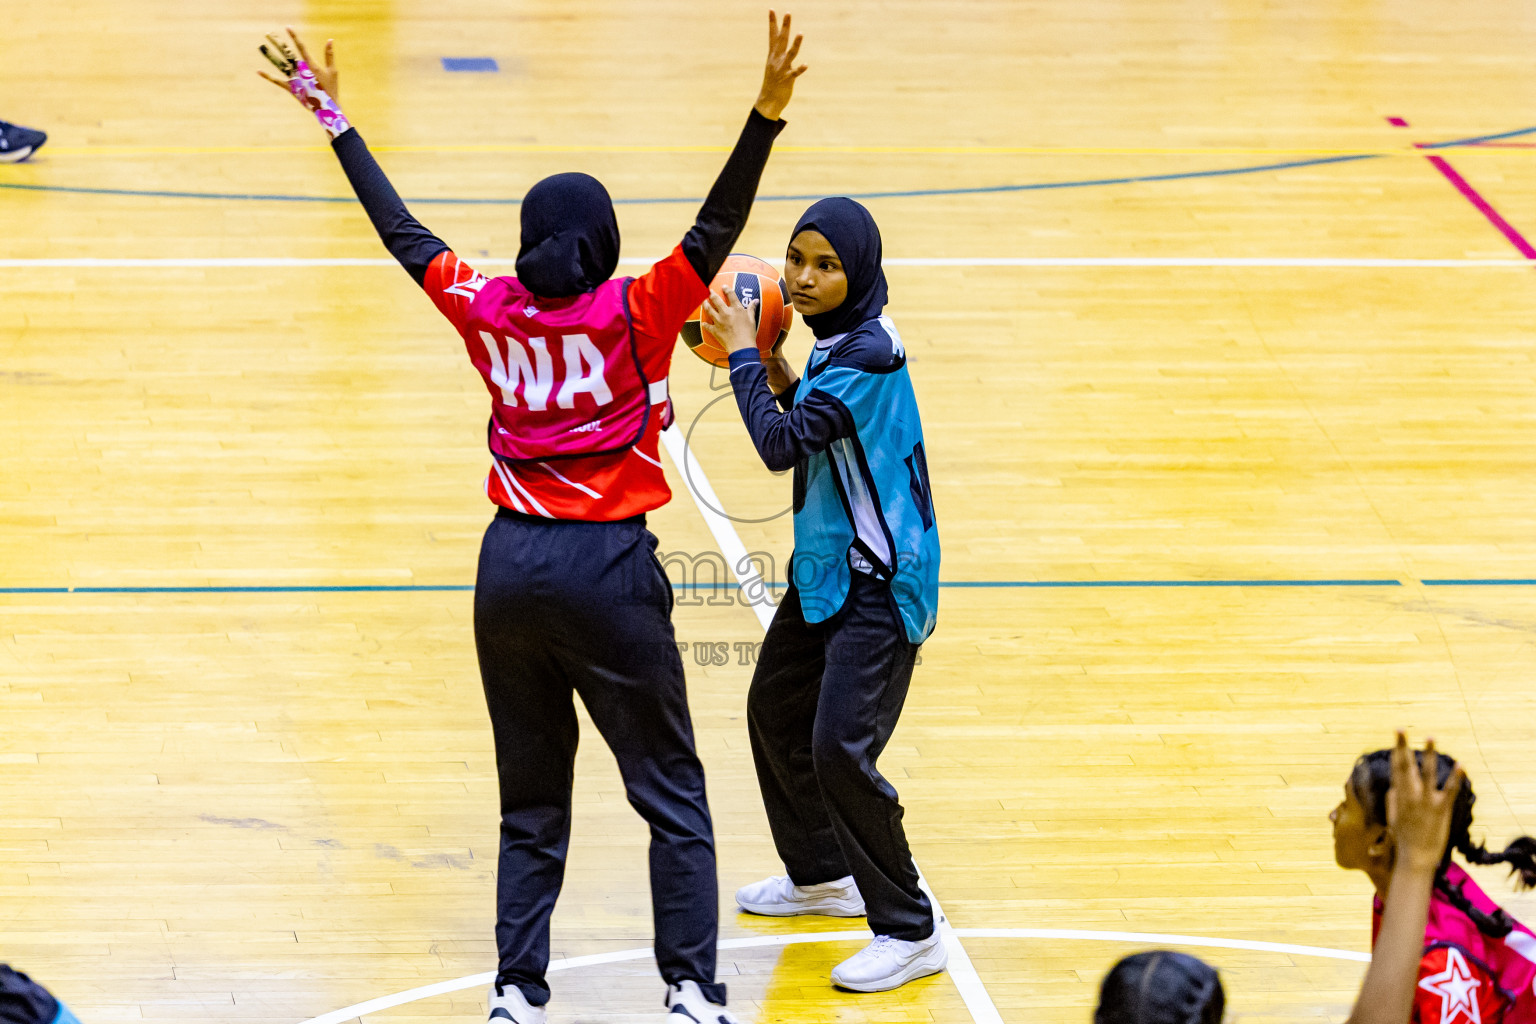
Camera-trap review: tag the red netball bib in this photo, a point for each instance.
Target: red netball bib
(564, 374)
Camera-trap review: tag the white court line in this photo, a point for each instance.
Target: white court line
(1158, 939)
(1200, 261)
(747, 577)
(348, 1013)
(1039, 262)
(961, 971)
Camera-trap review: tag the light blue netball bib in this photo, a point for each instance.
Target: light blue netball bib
(864, 504)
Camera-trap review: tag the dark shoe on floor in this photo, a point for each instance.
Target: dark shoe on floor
(18, 143)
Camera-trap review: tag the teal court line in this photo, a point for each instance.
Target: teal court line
(389, 588)
(805, 197)
(364, 588)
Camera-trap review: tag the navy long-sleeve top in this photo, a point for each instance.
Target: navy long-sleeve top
(818, 418)
(784, 438)
(706, 245)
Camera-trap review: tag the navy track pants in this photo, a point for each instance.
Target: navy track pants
(824, 701)
(566, 607)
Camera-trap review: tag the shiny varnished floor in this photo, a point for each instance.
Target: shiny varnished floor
(230, 804)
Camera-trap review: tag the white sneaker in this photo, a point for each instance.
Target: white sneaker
(508, 1004)
(779, 897)
(686, 1004)
(888, 963)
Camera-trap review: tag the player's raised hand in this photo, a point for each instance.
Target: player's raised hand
(287, 59)
(780, 73)
(1418, 809)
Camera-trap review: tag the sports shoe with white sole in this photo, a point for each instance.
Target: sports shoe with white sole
(888, 963)
(779, 897)
(18, 143)
(507, 1003)
(686, 1004)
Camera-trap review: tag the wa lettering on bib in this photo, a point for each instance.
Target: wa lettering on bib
(564, 374)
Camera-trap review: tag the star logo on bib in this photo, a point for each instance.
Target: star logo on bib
(1457, 988)
(529, 311)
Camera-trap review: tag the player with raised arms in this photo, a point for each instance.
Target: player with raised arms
(863, 595)
(1441, 954)
(569, 595)
(1451, 955)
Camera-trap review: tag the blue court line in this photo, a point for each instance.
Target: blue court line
(370, 588)
(365, 588)
(1029, 584)
(1479, 583)
(471, 64)
(798, 198)
(362, 588)
(1064, 584)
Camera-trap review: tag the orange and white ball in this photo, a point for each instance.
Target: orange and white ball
(753, 280)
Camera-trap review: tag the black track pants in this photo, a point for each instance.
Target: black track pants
(563, 607)
(824, 701)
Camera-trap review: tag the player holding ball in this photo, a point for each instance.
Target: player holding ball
(863, 595)
(569, 595)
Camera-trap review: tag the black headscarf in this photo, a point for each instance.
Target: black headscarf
(570, 236)
(1161, 987)
(856, 240)
(24, 1001)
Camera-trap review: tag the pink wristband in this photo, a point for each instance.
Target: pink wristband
(306, 87)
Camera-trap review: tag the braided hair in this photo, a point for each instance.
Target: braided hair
(1371, 780)
(1160, 987)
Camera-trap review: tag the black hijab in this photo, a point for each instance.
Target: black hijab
(24, 1001)
(856, 240)
(1161, 987)
(570, 236)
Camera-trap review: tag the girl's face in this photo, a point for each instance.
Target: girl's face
(814, 274)
(1358, 844)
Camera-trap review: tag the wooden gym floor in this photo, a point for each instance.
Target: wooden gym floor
(250, 796)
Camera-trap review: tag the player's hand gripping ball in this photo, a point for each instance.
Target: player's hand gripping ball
(753, 280)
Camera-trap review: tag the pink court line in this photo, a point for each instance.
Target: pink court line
(1482, 205)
